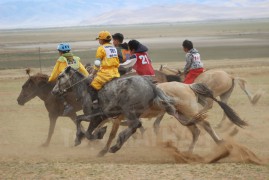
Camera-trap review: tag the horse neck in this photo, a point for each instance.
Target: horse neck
(44, 90)
(80, 86)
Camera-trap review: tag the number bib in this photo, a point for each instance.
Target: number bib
(196, 57)
(111, 51)
(143, 65)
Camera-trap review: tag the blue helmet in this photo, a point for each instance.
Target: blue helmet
(64, 47)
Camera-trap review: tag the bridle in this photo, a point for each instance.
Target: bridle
(70, 85)
(37, 89)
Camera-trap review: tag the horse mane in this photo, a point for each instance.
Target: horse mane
(40, 77)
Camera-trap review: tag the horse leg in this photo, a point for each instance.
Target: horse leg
(205, 124)
(79, 133)
(98, 132)
(193, 128)
(142, 129)
(207, 104)
(114, 130)
(224, 98)
(156, 124)
(95, 122)
(134, 123)
(195, 135)
(73, 118)
(252, 98)
(53, 119)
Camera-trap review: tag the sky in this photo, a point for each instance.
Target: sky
(61, 13)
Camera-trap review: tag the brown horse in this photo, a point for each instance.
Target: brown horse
(38, 86)
(220, 83)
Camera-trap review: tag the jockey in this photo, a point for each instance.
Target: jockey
(106, 64)
(122, 50)
(194, 65)
(139, 59)
(66, 59)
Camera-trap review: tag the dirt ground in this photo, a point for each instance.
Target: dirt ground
(245, 155)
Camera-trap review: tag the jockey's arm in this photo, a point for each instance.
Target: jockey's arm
(83, 70)
(55, 72)
(97, 65)
(188, 64)
(128, 63)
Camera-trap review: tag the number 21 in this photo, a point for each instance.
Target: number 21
(144, 59)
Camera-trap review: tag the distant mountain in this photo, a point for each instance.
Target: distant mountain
(59, 13)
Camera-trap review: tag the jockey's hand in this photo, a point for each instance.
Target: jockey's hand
(89, 78)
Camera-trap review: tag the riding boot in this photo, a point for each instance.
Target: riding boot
(94, 95)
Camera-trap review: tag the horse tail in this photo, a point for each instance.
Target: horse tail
(202, 90)
(243, 85)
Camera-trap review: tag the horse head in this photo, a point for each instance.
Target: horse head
(66, 80)
(32, 87)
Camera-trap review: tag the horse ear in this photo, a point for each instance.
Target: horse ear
(161, 68)
(28, 71)
(67, 70)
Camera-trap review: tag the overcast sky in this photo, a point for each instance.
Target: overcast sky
(57, 13)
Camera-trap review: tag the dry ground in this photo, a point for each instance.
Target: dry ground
(23, 129)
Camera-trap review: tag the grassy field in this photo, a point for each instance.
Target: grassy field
(238, 47)
(215, 40)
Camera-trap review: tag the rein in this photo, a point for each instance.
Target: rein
(72, 85)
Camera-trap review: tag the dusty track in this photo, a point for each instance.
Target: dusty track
(23, 129)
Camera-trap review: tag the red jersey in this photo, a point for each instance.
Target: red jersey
(143, 64)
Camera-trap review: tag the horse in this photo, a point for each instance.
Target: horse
(220, 83)
(136, 97)
(38, 86)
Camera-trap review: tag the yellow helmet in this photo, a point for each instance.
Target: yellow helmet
(104, 35)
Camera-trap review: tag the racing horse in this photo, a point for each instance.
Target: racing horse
(38, 86)
(220, 83)
(136, 97)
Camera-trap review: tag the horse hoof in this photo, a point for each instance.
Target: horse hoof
(101, 132)
(88, 136)
(102, 153)
(77, 142)
(114, 149)
(221, 142)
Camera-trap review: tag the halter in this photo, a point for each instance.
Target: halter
(36, 90)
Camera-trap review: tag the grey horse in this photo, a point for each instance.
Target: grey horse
(128, 97)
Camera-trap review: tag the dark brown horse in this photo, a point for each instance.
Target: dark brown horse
(38, 86)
